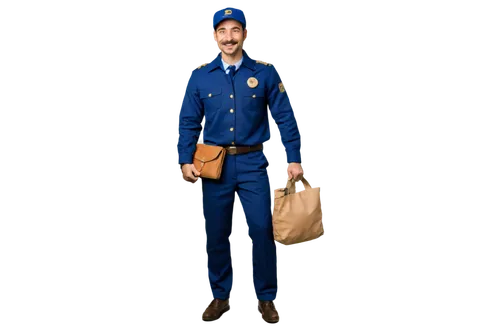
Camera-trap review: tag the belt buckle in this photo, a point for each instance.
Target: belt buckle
(232, 150)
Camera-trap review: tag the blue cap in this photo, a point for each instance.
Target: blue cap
(230, 13)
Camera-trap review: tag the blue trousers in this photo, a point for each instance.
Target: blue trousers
(246, 175)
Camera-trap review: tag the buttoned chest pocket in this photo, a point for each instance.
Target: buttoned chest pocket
(211, 99)
(255, 99)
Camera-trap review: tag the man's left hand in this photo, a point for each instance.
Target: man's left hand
(295, 171)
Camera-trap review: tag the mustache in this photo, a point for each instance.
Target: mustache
(232, 41)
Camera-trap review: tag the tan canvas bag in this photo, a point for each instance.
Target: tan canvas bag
(298, 215)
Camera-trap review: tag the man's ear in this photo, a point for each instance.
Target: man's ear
(212, 37)
(246, 37)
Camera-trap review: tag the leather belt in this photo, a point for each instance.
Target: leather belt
(233, 150)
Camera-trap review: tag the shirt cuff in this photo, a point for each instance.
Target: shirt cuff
(186, 158)
(293, 156)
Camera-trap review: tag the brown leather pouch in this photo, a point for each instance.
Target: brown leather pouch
(208, 160)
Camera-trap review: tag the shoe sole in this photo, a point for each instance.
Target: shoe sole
(268, 321)
(220, 314)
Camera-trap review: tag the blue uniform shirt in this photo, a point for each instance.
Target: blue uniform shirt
(236, 113)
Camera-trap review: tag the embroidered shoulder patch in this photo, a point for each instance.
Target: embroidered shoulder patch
(282, 87)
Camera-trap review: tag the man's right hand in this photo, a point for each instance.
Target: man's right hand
(189, 173)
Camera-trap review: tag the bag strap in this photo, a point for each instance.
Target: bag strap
(290, 185)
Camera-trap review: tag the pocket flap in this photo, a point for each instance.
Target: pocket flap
(257, 92)
(207, 153)
(207, 93)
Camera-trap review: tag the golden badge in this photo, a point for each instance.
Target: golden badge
(228, 12)
(282, 87)
(252, 82)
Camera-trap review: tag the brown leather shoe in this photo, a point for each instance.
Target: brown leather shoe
(216, 308)
(268, 311)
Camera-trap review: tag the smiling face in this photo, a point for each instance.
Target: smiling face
(229, 36)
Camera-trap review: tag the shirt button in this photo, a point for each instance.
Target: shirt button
(231, 129)
(254, 96)
(231, 110)
(232, 143)
(209, 95)
(231, 96)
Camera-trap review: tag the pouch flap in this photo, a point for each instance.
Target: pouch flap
(207, 153)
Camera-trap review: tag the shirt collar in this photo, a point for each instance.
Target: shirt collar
(216, 62)
(226, 65)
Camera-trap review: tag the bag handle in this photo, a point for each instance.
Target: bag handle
(290, 185)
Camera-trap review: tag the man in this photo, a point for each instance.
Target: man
(232, 93)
